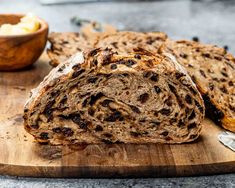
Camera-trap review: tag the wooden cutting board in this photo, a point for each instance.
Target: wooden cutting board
(21, 156)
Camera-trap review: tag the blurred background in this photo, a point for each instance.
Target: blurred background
(212, 21)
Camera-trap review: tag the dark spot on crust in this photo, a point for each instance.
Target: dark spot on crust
(137, 56)
(211, 111)
(92, 80)
(143, 98)
(61, 68)
(174, 91)
(34, 126)
(113, 66)
(178, 75)
(91, 111)
(183, 55)
(202, 73)
(66, 131)
(77, 73)
(173, 120)
(116, 115)
(224, 74)
(93, 52)
(155, 123)
(44, 136)
(154, 77)
(106, 141)
(211, 86)
(224, 90)
(168, 101)
(192, 115)
(157, 89)
(223, 80)
(147, 74)
(106, 102)
(76, 118)
(207, 55)
(232, 107)
(76, 67)
(135, 109)
(48, 111)
(165, 111)
(218, 58)
(114, 44)
(192, 125)
(200, 108)
(108, 135)
(165, 133)
(230, 83)
(130, 62)
(98, 128)
(188, 99)
(57, 129)
(135, 134)
(180, 123)
(94, 98)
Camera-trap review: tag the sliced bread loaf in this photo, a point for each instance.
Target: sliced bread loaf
(102, 97)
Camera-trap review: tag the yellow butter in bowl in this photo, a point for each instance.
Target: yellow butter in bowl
(27, 24)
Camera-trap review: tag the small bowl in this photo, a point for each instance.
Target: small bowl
(18, 51)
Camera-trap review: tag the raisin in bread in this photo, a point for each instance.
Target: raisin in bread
(213, 71)
(100, 96)
(126, 41)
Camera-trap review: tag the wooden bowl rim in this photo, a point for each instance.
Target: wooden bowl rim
(43, 27)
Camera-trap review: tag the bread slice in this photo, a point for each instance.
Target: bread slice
(125, 42)
(64, 45)
(102, 97)
(213, 71)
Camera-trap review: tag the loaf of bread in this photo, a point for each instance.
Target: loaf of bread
(102, 97)
(213, 71)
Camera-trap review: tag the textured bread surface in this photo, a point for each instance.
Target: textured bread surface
(126, 41)
(213, 71)
(102, 97)
(64, 45)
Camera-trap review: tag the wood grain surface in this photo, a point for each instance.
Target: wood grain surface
(21, 156)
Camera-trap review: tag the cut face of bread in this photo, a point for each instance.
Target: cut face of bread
(64, 45)
(125, 42)
(213, 71)
(102, 97)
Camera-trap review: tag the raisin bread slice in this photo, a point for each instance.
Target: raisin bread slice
(64, 45)
(213, 71)
(125, 42)
(102, 97)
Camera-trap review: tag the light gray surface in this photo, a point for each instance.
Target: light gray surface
(212, 21)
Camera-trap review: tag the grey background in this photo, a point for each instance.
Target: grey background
(211, 20)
